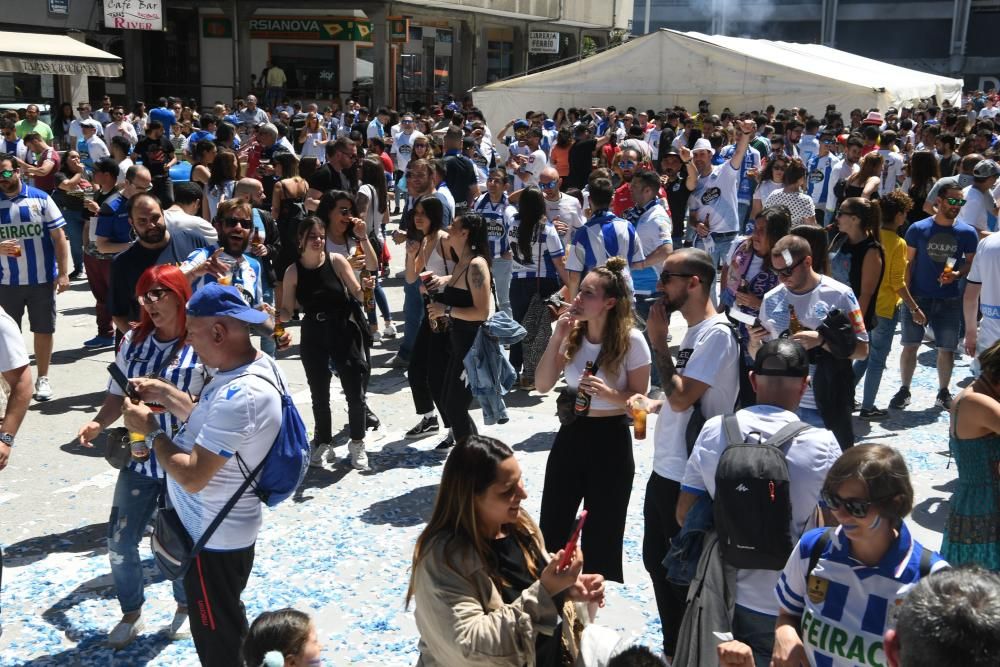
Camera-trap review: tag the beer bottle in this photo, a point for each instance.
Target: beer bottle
(794, 326)
(256, 240)
(367, 293)
(582, 405)
(279, 330)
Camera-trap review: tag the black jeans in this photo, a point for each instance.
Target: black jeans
(521, 291)
(456, 397)
(591, 460)
(163, 188)
(426, 373)
(213, 585)
(659, 514)
(337, 339)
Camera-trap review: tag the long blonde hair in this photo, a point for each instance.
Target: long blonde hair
(621, 319)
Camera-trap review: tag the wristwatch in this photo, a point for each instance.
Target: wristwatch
(151, 437)
(7, 439)
(447, 311)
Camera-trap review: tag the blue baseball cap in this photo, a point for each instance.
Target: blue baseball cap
(215, 300)
(521, 123)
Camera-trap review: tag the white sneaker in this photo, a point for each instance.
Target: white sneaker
(319, 451)
(179, 628)
(43, 391)
(123, 633)
(376, 336)
(389, 331)
(359, 459)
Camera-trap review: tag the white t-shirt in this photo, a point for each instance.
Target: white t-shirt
(980, 210)
(13, 353)
(811, 309)
(532, 169)
(809, 457)
(636, 357)
(986, 272)
(566, 209)
(766, 189)
(236, 415)
(799, 204)
(193, 223)
(892, 170)
(402, 148)
(716, 195)
(708, 354)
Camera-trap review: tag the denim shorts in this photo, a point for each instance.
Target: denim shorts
(943, 315)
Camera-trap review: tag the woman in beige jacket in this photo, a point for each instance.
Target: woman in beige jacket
(486, 591)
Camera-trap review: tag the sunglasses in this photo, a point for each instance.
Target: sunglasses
(839, 212)
(153, 295)
(233, 222)
(626, 164)
(344, 210)
(313, 237)
(789, 270)
(665, 276)
(955, 201)
(548, 185)
(854, 506)
(827, 142)
(7, 173)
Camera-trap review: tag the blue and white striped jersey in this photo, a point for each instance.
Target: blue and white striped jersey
(846, 605)
(247, 276)
(185, 371)
(603, 236)
(30, 217)
(498, 220)
(819, 174)
(545, 246)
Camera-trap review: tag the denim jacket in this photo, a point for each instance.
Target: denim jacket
(488, 374)
(686, 547)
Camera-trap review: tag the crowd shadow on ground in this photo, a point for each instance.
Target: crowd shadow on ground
(409, 509)
(85, 403)
(90, 540)
(932, 512)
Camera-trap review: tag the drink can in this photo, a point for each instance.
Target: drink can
(639, 423)
(139, 448)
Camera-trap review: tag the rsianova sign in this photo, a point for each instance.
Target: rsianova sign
(310, 28)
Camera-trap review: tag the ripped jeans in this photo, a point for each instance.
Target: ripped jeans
(134, 503)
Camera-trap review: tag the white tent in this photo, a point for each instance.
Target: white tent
(668, 68)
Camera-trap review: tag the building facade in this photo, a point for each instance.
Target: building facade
(396, 53)
(948, 37)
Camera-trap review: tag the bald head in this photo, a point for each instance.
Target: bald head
(249, 189)
(550, 175)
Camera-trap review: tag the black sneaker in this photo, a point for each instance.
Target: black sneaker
(943, 399)
(901, 399)
(856, 406)
(447, 443)
(873, 415)
(426, 426)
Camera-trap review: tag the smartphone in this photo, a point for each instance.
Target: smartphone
(745, 318)
(122, 381)
(570, 547)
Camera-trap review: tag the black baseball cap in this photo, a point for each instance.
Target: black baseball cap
(782, 358)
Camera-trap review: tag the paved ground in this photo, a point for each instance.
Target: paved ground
(341, 550)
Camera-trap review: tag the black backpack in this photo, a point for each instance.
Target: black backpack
(752, 504)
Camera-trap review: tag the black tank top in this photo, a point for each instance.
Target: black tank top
(320, 290)
(457, 297)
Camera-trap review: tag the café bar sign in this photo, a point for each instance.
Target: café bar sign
(313, 28)
(133, 14)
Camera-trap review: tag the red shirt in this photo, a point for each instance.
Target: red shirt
(622, 201)
(386, 162)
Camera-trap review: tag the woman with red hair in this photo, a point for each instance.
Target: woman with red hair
(167, 373)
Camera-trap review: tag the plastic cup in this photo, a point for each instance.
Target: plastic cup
(639, 422)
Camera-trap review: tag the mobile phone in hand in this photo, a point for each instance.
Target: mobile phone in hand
(122, 381)
(570, 547)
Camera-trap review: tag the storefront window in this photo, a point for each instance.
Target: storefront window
(442, 62)
(499, 60)
(313, 71)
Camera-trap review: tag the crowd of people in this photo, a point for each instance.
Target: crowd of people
(791, 244)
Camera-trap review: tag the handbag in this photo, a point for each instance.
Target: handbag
(172, 546)
(117, 450)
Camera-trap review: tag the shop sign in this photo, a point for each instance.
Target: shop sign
(218, 27)
(310, 28)
(543, 42)
(59, 7)
(133, 14)
(399, 29)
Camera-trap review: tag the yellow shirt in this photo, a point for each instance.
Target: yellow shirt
(892, 277)
(276, 77)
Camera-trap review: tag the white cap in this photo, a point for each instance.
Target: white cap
(703, 145)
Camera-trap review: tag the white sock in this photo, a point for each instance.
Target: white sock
(429, 415)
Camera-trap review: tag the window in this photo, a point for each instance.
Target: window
(499, 60)
(312, 71)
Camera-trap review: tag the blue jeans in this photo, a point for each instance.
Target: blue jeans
(879, 344)
(132, 507)
(643, 302)
(74, 233)
(413, 314)
(382, 303)
(810, 416)
(267, 344)
(502, 269)
(757, 631)
(743, 211)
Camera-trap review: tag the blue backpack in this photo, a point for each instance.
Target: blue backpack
(283, 469)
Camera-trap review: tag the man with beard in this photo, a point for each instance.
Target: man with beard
(628, 164)
(337, 174)
(227, 262)
(527, 162)
(847, 167)
(679, 180)
(154, 245)
(706, 374)
(157, 154)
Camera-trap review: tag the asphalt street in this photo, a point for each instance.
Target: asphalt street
(341, 548)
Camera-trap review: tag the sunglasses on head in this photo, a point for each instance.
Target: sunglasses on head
(856, 507)
(233, 222)
(955, 201)
(153, 295)
(789, 270)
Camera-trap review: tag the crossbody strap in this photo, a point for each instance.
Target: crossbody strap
(817, 550)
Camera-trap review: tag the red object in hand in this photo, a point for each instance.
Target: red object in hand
(570, 547)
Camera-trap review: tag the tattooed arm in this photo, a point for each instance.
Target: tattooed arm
(680, 392)
(482, 296)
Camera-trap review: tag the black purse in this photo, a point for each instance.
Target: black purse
(117, 450)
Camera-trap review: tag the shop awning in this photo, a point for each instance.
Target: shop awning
(30, 53)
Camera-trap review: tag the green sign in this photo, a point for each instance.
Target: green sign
(311, 28)
(216, 26)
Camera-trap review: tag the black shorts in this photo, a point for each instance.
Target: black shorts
(40, 301)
